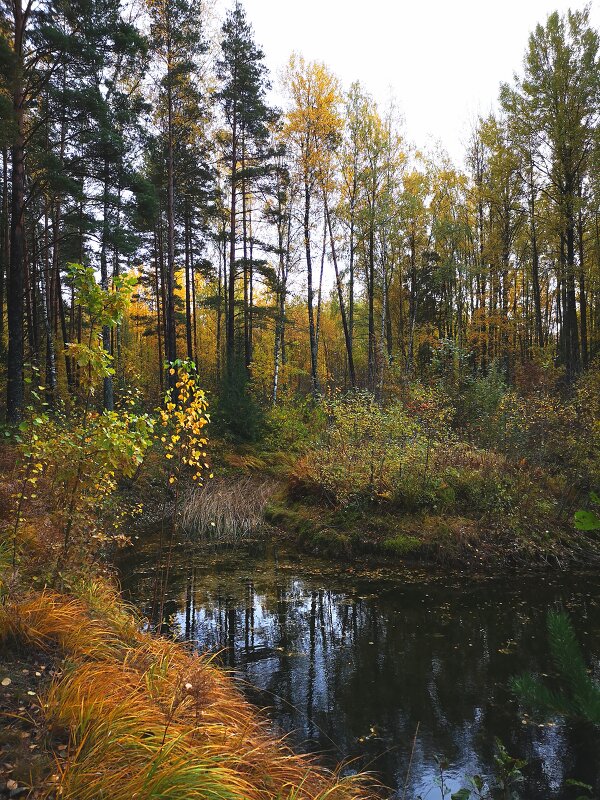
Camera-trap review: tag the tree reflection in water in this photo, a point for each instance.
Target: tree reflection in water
(350, 663)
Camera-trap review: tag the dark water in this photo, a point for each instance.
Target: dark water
(352, 661)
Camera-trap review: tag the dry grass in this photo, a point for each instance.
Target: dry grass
(459, 455)
(227, 509)
(146, 719)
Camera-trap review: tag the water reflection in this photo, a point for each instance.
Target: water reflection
(351, 663)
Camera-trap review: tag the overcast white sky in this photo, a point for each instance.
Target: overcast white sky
(442, 60)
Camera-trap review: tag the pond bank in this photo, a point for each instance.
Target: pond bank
(478, 510)
(386, 536)
(248, 503)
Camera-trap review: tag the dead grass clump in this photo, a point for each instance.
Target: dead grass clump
(144, 718)
(227, 509)
(459, 455)
(244, 461)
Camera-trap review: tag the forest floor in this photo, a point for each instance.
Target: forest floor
(28, 753)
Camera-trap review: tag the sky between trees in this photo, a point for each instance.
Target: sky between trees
(441, 61)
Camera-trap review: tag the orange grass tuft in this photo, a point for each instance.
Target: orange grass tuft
(147, 719)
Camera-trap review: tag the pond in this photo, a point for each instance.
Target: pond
(387, 667)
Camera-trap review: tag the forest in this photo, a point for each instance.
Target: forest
(248, 326)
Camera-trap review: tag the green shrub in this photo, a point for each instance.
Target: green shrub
(361, 452)
(480, 492)
(402, 545)
(292, 425)
(479, 401)
(415, 490)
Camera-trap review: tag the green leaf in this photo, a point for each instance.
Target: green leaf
(587, 521)
(462, 794)
(579, 784)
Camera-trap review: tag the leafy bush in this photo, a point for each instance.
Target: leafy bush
(478, 403)
(82, 459)
(292, 425)
(394, 454)
(361, 452)
(429, 406)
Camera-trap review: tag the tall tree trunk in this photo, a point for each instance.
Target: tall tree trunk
(382, 331)
(158, 295)
(351, 271)
(188, 288)
(371, 306)
(30, 276)
(340, 292)
(582, 292)
(108, 389)
(320, 289)
(279, 328)
(4, 241)
(412, 303)
(222, 289)
(51, 381)
(170, 325)
(535, 262)
(193, 300)
(163, 288)
(230, 327)
(250, 291)
(247, 355)
(573, 352)
(284, 231)
(15, 391)
(316, 389)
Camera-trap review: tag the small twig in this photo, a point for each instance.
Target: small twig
(412, 753)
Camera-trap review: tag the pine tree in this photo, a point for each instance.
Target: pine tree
(578, 694)
(243, 87)
(177, 45)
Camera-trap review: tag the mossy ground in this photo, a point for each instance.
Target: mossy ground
(388, 534)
